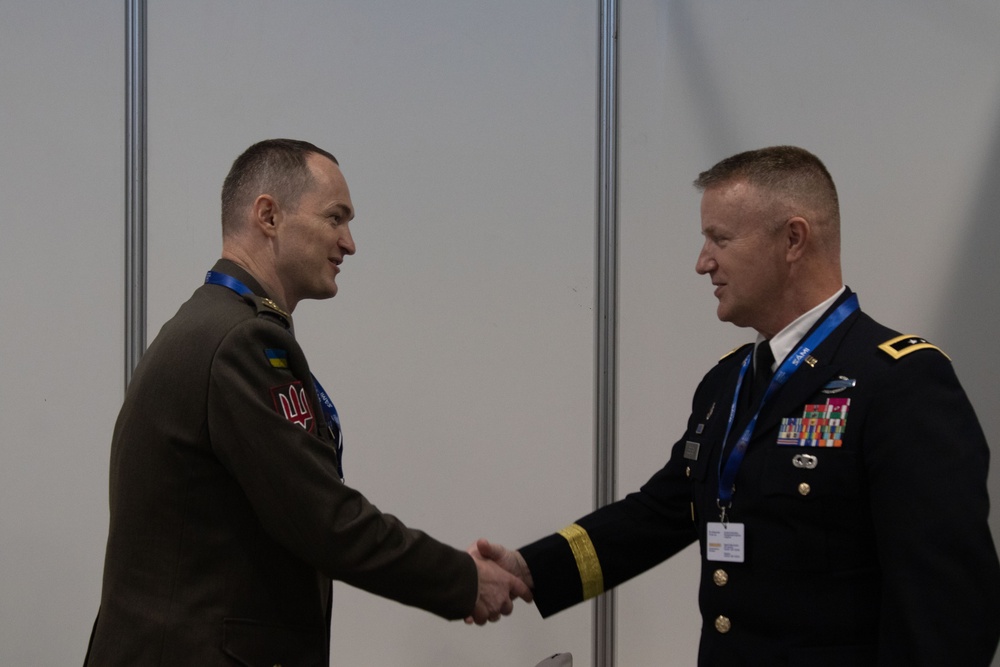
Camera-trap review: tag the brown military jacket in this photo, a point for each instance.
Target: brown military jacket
(228, 516)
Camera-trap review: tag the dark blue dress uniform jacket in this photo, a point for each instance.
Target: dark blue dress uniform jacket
(228, 515)
(880, 554)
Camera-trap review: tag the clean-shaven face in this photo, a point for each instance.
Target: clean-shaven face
(314, 238)
(742, 255)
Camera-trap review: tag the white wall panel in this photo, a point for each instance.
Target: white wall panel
(61, 171)
(900, 99)
(460, 348)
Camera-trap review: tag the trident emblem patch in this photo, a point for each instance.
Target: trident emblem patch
(292, 401)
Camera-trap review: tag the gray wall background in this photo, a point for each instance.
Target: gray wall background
(460, 348)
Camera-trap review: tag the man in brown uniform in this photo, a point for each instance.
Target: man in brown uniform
(229, 515)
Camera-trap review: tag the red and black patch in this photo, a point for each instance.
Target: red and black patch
(292, 401)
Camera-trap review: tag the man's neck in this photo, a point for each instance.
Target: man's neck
(261, 273)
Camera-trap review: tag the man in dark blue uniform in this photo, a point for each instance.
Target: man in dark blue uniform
(833, 472)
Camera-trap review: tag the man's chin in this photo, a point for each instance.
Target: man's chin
(326, 293)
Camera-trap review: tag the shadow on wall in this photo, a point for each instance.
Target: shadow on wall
(688, 45)
(971, 315)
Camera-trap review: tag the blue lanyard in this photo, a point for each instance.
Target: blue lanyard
(727, 474)
(329, 410)
(213, 278)
(332, 423)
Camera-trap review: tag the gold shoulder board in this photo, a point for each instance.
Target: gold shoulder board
(269, 307)
(900, 346)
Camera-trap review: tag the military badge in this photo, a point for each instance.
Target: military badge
(292, 401)
(839, 385)
(821, 425)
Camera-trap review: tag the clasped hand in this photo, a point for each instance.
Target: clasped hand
(503, 577)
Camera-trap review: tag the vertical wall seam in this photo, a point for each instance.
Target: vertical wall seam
(135, 184)
(606, 395)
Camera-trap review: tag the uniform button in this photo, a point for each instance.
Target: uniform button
(804, 489)
(723, 625)
(687, 471)
(720, 577)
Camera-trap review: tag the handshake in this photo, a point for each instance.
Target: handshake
(503, 577)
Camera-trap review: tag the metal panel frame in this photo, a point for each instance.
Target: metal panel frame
(135, 184)
(606, 338)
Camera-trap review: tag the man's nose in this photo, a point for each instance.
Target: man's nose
(347, 241)
(705, 263)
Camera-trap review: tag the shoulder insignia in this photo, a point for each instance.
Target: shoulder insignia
(268, 307)
(273, 306)
(900, 346)
(277, 357)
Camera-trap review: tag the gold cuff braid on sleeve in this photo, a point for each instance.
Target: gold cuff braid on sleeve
(586, 560)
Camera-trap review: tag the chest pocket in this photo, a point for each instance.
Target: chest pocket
(812, 508)
(810, 473)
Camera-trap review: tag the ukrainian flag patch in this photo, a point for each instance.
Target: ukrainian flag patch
(277, 358)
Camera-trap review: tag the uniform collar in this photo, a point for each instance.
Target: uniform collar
(231, 268)
(785, 340)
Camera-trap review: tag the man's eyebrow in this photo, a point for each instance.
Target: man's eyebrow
(346, 210)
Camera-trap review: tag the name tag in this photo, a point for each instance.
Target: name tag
(725, 542)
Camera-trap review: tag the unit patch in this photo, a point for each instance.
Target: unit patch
(292, 401)
(821, 425)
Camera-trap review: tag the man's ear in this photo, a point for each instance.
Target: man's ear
(266, 214)
(797, 231)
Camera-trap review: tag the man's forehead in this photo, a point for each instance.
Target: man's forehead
(323, 168)
(331, 186)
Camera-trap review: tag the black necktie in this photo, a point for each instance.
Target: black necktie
(763, 359)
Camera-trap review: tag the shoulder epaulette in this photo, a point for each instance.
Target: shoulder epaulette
(900, 346)
(268, 308)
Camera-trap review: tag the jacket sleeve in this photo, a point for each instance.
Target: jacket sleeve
(290, 477)
(927, 460)
(618, 541)
(608, 546)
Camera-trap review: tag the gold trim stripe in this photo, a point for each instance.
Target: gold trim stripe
(586, 560)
